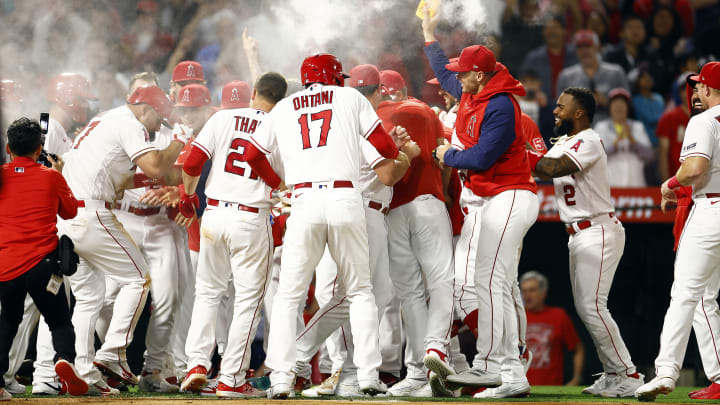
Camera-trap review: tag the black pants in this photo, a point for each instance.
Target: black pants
(54, 308)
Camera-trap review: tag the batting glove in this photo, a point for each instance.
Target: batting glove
(182, 133)
(188, 203)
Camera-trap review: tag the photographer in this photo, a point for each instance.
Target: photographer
(31, 197)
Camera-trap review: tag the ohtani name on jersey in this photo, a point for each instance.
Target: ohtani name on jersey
(313, 100)
(245, 124)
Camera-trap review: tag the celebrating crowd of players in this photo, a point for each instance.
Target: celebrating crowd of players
(393, 208)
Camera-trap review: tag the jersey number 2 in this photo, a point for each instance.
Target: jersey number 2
(240, 157)
(569, 192)
(326, 117)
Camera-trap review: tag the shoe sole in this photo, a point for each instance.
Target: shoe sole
(76, 386)
(474, 384)
(281, 395)
(438, 389)
(651, 395)
(371, 391)
(438, 367)
(233, 394)
(107, 371)
(519, 395)
(194, 383)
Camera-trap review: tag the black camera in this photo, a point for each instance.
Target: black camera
(44, 125)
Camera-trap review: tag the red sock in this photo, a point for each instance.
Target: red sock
(471, 320)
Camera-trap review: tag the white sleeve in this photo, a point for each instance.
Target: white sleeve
(264, 137)
(698, 138)
(370, 154)
(206, 139)
(584, 151)
(135, 141)
(367, 117)
(455, 142)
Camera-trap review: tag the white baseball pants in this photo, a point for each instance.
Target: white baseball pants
(184, 304)
(493, 230)
(332, 217)
(21, 342)
(105, 249)
(696, 263)
(237, 243)
(706, 324)
(420, 246)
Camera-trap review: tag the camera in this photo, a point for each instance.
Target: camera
(44, 125)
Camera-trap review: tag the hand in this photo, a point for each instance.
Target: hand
(56, 164)
(668, 196)
(188, 202)
(429, 23)
(399, 136)
(440, 153)
(411, 149)
(172, 196)
(182, 133)
(182, 220)
(249, 43)
(154, 196)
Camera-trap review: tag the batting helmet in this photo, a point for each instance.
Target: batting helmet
(10, 92)
(235, 94)
(322, 68)
(154, 97)
(69, 91)
(193, 95)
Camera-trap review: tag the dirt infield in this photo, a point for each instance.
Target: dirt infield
(215, 401)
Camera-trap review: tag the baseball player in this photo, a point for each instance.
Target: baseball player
(577, 163)
(419, 239)
(377, 175)
(184, 73)
(236, 238)
(696, 261)
(498, 198)
(235, 94)
(319, 133)
(98, 168)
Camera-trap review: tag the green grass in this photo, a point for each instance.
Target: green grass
(538, 394)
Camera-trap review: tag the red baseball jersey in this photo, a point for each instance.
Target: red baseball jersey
(672, 126)
(550, 333)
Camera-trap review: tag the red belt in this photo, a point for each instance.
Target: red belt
(379, 207)
(141, 212)
(336, 184)
(712, 195)
(241, 207)
(584, 225)
(81, 204)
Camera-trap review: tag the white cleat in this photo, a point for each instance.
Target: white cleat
(475, 378)
(47, 388)
(4, 395)
(14, 387)
(600, 384)
(439, 389)
(436, 362)
(658, 385)
(281, 391)
(623, 386)
(101, 389)
(348, 390)
(372, 387)
(154, 382)
(406, 387)
(327, 387)
(507, 390)
(424, 392)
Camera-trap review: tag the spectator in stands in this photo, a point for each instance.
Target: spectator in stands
(707, 29)
(683, 8)
(548, 61)
(627, 145)
(550, 333)
(521, 32)
(671, 131)
(597, 22)
(631, 49)
(592, 73)
(665, 30)
(534, 99)
(147, 45)
(647, 104)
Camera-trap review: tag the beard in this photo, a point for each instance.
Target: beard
(564, 128)
(695, 110)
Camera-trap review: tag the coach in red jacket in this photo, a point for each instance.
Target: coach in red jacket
(499, 200)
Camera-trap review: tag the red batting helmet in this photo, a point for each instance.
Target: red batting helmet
(193, 95)
(10, 92)
(154, 97)
(68, 91)
(322, 68)
(235, 94)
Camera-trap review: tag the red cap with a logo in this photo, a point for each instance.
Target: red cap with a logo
(709, 75)
(235, 94)
(188, 70)
(392, 81)
(586, 38)
(476, 58)
(364, 75)
(193, 95)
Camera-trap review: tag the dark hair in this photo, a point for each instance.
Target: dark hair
(632, 16)
(557, 17)
(367, 90)
(585, 98)
(24, 136)
(529, 74)
(271, 86)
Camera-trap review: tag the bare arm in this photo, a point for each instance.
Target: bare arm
(190, 182)
(549, 168)
(578, 364)
(250, 47)
(663, 158)
(157, 163)
(391, 171)
(691, 172)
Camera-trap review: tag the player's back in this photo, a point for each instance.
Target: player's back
(319, 132)
(224, 139)
(100, 160)
(702, 138)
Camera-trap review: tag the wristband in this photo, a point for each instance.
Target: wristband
(673, 183)
(434, 155)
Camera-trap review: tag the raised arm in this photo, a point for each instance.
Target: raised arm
(437, 57)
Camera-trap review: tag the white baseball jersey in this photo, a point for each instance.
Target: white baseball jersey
(224, 139)
(584, 194)
(101, 159)
(371, 186)
(319, 132)
(131, 196)
(56, 140)
(702, 138)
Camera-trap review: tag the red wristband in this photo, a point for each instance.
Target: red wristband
(673, 183)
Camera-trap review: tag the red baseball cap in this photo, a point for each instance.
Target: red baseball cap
(193, 95)
(619, 92)
(364, 75)
(392, 81)
(235, 94)
(709, 75)
(188, 70)
(154, 97)
(586, 37)
(476, 58)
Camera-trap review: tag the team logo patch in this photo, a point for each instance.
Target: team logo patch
(577, 145)
(19, 170)
(190, 71)
(690, 147)
(186, 96)
(471, 126)
(234, 96)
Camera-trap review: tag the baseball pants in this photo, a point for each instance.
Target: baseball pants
(706, 324)
(420, 246)
(21, 342)
(237, 243)
(184, 303)
(493, 229)
(336, 218)
(698, 258)
(105, 249)
(391, 336)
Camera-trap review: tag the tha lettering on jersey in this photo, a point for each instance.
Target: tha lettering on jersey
(577, 145)
(313, 100)
(245, 124)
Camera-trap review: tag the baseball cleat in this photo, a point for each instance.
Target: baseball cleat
(439, 389)
(101, 389)
(405, 387)
(4, 395)
(436, 361)
(327, 387)
(658, 385)
(302, 383)
(244, 391)
(281, 391)
(424, 392)
(712, 391)
(599, 384)
(70, 378)
(195, 380)
(348, 390)
(476, 378)
(623, 386)
(154, 382)
(389, 379)
(14, 387)
(372, 387)
(47, 388)
(211, 388)
(507, 390)
(117, 369)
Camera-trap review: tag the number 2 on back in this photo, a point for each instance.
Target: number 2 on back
(569, 195)
(326, 117)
